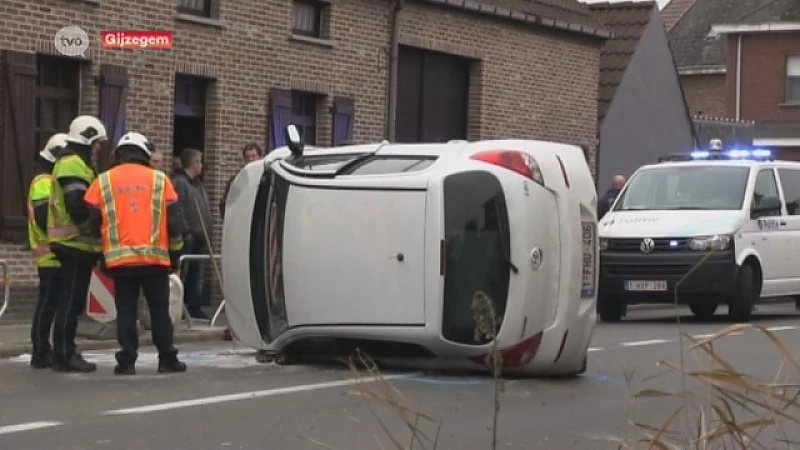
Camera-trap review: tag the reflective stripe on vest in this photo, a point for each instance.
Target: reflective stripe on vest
(39, 193)
(61, 228)
(114, 252)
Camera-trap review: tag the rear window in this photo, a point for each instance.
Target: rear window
(362, 163)
(476, 250)
(323, 163)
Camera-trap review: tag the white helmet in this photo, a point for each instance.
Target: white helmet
(85, 130)
(56, 142)
(138, 140)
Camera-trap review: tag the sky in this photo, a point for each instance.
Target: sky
(661, 3)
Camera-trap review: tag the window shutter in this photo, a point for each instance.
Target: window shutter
(18, 154)
(343, 117)
(113, 91)
(280, 115)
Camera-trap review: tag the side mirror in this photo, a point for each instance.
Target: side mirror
(766, 207)
(293, 140)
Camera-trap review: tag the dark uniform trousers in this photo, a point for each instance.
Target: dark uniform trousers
(154, 283)
(43, 315)
(76, 273)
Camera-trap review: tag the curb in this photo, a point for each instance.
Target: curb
(181, 337)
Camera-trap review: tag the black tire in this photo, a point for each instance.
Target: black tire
(584, 365)
(703, 310)
(744, 296)
(610, 310)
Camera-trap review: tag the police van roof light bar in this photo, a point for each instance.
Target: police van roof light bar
(706, 155)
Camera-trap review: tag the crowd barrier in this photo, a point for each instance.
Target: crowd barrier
(6, 287)
(181, 265)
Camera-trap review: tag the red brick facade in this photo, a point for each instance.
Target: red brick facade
(705, 94)
(516, 88)
(763, 85)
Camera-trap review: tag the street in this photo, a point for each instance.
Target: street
(229, 401)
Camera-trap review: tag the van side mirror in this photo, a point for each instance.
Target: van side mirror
(766, 207)
(293, 140)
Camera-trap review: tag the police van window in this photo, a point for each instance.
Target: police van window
(790, 182)
(766, 186)
(685, 188)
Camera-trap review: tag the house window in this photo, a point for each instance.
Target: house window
(308, 18)
(195, 7)
(793, 79)
(57, 96)
(304, 115)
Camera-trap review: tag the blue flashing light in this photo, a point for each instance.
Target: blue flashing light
(761, 153)
(700, 154)
(736, 154)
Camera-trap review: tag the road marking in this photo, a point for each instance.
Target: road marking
(640, 343)
(783, 328)
(29, 426)
(596, 349)
(247, 395)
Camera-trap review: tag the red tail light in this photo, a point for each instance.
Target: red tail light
(522, 163)
(517, 355)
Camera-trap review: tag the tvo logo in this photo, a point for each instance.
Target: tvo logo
(71, 41)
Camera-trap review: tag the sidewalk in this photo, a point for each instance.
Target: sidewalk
(15, 339)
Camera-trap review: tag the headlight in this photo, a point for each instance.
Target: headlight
(603, 243)
(715, 242)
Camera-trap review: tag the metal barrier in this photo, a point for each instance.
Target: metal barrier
(180, 273)
(6, 286)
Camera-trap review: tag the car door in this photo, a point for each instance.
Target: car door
(789, 181)
(765, 232)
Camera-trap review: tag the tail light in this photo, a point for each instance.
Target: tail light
(515, 356)
(520, 162)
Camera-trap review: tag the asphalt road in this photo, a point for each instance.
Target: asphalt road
(228, 401)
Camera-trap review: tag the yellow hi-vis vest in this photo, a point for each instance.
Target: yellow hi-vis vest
(61, 228)
(39, 193)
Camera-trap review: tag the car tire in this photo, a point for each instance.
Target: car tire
(744, 295)
(703, 310)
(584, 365)
(610, 309)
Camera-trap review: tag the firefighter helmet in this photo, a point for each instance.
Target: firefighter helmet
(55, 144)
(86, 130)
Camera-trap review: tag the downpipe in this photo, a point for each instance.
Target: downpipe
(391, 85)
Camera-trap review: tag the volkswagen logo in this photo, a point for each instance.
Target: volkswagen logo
(647, 245)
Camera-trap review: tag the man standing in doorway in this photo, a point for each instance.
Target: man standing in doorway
(605, 202)
(251, 152)
(157, 161)
(72, 239)
(197, 221)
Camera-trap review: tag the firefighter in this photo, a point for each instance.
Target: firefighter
(68, 230)
(46, 262)
(142, 238)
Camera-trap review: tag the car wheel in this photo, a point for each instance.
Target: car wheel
(744, 296)
(584, 365)
(610, 309)
(704, 310)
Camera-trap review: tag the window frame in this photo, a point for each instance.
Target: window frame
(789, 180)
(60, 94)
(319, 10)
(792, 81)
(775, 185)
(204, 12)
(305, 119)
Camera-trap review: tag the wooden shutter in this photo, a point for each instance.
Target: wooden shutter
(18, 152)
(280, 114)
(343, 117)
(113, 93)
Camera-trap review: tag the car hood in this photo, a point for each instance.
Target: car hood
(668, 223)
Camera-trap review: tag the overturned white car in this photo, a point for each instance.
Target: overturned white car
(384, 246)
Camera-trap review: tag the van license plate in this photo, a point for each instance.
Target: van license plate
(645, 285)
(588, 233)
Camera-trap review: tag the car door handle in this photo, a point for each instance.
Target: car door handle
(783, 223)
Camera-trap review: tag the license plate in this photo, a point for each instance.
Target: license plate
(588, 271)
(645, 285)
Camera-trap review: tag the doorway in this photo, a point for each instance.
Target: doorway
(189, 121)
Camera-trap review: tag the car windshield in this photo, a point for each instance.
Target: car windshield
(685, 188)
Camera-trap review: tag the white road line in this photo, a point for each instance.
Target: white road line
(29, 426)
(246, 395)
(640, 343)
(596, 349)
(783, 328)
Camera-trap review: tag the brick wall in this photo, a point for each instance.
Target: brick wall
(705, 94)
(763, 76)
(517, 86)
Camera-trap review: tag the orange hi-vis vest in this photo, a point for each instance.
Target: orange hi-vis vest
(133, 199)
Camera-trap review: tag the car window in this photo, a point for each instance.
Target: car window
(323, 163)
(380, 165)
(790, 182)
(685, 188)
(476, 250)
(766, 186)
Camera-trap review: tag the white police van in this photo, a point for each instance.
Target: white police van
(712, 227)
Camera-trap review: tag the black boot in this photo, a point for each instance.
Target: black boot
(171, 366)
(41, 360)
(124, 370)
(76, 363)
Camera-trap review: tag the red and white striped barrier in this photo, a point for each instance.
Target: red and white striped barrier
(100, 299)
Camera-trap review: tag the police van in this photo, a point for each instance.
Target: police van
(710, 228)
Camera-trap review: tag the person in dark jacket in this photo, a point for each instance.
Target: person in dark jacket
(607, 199)
(251, 152)
(197, 222)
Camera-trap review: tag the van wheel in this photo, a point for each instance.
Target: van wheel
(584, 365)
(744, 295)
(703, 310)
(610, 310)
